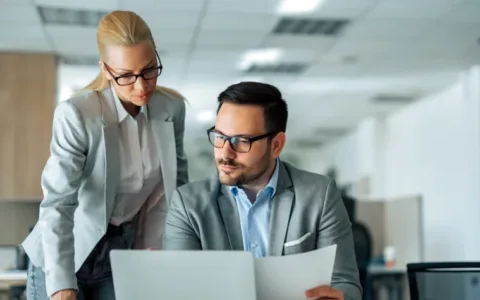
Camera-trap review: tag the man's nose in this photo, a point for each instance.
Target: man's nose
(227, 151)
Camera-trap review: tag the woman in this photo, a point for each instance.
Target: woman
(116, 156)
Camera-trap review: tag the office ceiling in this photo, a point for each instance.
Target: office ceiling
(334, 65)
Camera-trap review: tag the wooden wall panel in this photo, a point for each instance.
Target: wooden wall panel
(28, 91)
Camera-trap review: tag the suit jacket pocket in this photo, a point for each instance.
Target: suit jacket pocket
(303, 244)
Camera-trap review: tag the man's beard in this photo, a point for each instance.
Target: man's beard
(242, 178)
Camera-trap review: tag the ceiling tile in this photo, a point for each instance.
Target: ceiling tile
(166, 20)
(455, 36)
(212, 71)
(387, 28)
(305, 55)
(70, 40)
(343, 9)
(411, 9)
(19, 13)
(21, 31)
(16, 1)
(216, 55)
(229, 38)
(71, 31)
(361, 47)
(246, 6)
(29, 44)
(105, 5)
(239, 21)
(164, 38)
(317, 44)
(161, 6)
(468, 11)
(334, 70)
(216, 58)
(80, 47)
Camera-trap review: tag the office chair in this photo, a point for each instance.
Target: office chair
(363, 251)
(444, 280)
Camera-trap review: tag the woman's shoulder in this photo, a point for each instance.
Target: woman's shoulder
(172, 99)
(86, 103)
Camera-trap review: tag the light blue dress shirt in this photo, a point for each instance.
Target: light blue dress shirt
(255, 218)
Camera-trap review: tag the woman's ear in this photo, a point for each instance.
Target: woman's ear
(105, 72)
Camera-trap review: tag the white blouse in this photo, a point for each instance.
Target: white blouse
(140, 174)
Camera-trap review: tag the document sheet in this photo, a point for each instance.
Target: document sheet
(288, 277)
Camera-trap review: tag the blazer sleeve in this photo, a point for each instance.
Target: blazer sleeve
(179, 232)
(182, 163)
(60, 181)
(335, 228)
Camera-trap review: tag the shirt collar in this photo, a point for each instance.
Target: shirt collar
(271, 186)
(121, 112)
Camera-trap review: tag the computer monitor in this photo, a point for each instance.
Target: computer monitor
(182, 275)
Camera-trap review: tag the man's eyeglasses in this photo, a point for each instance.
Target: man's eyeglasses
(241, 144)
(148, 74)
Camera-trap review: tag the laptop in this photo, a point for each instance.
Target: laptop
(183, 275)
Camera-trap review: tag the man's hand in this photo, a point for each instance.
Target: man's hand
(64, 295)
(324, 292)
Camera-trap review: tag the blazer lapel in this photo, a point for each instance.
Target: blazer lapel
(110, 137)
(231, 220)
(280, 214)
(163, 130)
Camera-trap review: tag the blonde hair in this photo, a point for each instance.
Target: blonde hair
(123, 28)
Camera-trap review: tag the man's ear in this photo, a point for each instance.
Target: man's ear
(278, 143)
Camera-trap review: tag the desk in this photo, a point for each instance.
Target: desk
(13, 275)
(12, 278)
(381, 269)
(390, 278)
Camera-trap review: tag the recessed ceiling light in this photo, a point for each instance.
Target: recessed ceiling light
(260, 57)
(293, 7)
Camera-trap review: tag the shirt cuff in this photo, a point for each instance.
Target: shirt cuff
(56, 280)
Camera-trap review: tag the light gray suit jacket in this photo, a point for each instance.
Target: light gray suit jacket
(307, 214)
(80, 180)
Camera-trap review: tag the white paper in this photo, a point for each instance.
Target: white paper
(288, 277)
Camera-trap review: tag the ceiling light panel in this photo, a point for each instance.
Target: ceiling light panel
(293, 7)
(309, 26)
(260, 57)
(73, 17)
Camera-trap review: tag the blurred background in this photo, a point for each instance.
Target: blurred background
(384, 95)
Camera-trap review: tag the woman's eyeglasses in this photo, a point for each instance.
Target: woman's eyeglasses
(129, 79)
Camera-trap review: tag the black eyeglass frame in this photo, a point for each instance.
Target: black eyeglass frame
(230, 138)
(116, 78)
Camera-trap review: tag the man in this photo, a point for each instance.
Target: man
(256, 202)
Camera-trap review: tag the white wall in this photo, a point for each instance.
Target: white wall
(431, 147)
(352, 155)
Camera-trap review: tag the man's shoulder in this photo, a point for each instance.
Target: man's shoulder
(304, 177)
(198, 191)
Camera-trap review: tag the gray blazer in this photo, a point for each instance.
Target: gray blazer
(307, 214)
(80, 180)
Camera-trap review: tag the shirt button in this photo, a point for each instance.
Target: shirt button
(254, 245)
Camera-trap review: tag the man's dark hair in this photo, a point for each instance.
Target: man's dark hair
(267, 96)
